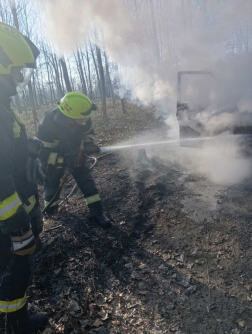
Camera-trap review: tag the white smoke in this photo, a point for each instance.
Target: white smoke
(201, 35)
(193, 37)
(71, 23)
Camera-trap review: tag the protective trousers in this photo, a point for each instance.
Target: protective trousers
(85, 181)
(16, 272)
(15, 276)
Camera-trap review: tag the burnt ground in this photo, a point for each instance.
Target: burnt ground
(177, 259)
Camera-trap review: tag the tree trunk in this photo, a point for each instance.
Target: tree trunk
(154, 32)
(70, 75)
(83, 82)
(44, 93)
(40, 96)
(34, 111)
(96, 70)
(48, 81)
(109, 79)
(123, 106)
(1, 11)
(61, 76)
(15, 19)
(57, 75)
(54, 91)
(102, 77)
(89, 76)
(65, 74)
(34, 92)
(85, 72)
(24, 101)
(14, 13)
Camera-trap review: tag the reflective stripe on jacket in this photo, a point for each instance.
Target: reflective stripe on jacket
(15, 190)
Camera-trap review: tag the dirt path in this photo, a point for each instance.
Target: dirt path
(177, 259)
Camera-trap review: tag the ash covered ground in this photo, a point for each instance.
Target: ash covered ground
(177, 259)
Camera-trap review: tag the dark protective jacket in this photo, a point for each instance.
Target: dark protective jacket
(18, 195)
(59, 138)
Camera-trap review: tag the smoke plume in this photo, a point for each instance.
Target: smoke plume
(153, 42)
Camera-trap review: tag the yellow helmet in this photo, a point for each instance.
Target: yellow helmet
(76, 105)
(16, 50)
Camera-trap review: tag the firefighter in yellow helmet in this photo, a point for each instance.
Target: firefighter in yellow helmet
(20, 217)
(67, 134)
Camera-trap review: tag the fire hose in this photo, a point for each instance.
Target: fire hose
(64, 179)
(111, 149)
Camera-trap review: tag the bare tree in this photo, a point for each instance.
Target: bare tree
(102, 78)
(154, 32)
(65, 74)
(89, 75)
(81, 73)
(109, 79)
(96, 69)
(57, 75)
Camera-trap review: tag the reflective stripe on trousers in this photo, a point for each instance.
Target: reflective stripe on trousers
(32, 201)
(9, 206)
(12, 306)
(93, 199)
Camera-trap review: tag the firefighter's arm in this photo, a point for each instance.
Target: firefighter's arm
(49, 152)
(88, 138)
(12, 213)
(88, 131)
(14, 220)
(51, 157)
(50, 147)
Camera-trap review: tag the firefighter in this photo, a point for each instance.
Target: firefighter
(20, 216)
(67, 134)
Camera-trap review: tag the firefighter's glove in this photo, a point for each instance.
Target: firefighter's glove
(73, 160)
(23, 241)
(34, 147)
(90, 148)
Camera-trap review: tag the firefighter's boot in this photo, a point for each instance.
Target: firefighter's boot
(36, 324)
(96, 210)
(102, 220)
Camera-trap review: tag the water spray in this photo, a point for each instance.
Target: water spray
(173, 141)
